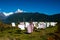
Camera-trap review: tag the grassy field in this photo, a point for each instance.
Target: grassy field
(17, 34)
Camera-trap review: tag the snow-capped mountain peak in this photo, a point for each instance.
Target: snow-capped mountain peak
(10, 13)
(19, 11)
(7, 14)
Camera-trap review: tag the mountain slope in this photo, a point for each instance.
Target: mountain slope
(19, 17)
(2, 16)
(55, 17)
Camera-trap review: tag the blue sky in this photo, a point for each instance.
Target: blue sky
(43, 6)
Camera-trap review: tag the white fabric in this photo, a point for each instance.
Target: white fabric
(48, 24)
(53, 23)
(13, 24)
(22, 27)
(22, 23)
(35, 23)
(27, 24)
(41, 25)
(30, 28)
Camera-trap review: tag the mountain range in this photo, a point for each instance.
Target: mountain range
(36, 17)
(17, 11)
(2, 16)
(20, 16)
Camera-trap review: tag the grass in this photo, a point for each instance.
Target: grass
(17, 34)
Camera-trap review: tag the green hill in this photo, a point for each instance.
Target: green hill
(20, 17)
